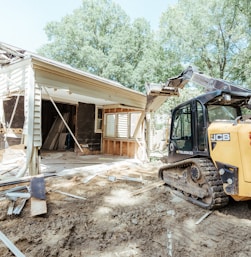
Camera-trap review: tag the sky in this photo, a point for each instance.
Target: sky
(22, 22)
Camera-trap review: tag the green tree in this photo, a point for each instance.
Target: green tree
(210, 34)
(187, 93)
(84, 38)
(99, 38)
(242, 69)
(244, 6)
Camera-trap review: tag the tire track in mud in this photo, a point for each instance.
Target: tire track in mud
(111, 223)
(218, 235)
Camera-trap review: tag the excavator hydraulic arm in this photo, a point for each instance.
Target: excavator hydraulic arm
(158, 93)
(209, 83)
(172, 85)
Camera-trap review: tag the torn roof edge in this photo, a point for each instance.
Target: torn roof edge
(11, 54)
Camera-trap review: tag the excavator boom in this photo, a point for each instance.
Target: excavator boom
(209, 83)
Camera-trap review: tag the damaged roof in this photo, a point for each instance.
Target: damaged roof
(69, 84)
(10, 54)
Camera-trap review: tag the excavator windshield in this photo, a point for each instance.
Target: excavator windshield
(221, 112)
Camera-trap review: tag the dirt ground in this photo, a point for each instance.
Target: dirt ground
(115, 219)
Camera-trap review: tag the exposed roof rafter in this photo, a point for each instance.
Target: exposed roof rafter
(9, 54)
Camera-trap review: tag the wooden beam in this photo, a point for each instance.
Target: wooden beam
(147, 188)
(11, 246)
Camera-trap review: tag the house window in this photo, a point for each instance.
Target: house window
(110, 125)
(121, 125)
(98, 119)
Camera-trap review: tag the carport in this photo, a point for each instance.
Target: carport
(52, 106)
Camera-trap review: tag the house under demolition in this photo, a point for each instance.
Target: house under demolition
(46, 105)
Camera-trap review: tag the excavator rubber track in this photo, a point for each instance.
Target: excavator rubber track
(197, 181)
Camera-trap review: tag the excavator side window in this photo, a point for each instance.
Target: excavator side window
(201, 128)
(181, 130)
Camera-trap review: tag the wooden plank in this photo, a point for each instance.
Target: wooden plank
(14, 195)
(11, 208)
(147, 188)
(53, 141)
(61, 127)
(38, 202)
(38, 207)
(56, 128)
(61, 141)
(15, 180)
(17, 188)
(203, 217)
(20, 207)
(67, 194)
(11, 246)
(51, 134)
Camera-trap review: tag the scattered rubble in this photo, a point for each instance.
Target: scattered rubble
(90, 215)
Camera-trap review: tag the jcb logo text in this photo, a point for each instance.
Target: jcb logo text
(220, 137)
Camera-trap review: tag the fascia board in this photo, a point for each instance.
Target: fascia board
(61, 76)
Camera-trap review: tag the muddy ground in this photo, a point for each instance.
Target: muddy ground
(115, 221)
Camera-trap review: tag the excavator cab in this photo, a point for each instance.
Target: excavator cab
(190, 122)
(188, 135)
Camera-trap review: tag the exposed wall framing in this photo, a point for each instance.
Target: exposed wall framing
(11, 132)
(123, 141)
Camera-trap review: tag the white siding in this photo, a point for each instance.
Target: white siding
(14, 78)
(32, 108)
(37, 117)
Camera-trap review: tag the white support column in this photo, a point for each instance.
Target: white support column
(32, 122)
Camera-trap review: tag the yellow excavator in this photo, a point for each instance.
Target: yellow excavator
(209, 150)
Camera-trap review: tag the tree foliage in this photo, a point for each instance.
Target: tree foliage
(84, 38)
(99, 38)
(211, 34)
(187, 93)
(243, 68)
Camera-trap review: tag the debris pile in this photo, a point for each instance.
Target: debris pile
(18, 196)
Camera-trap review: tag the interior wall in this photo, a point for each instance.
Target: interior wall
(81, 122)
(18, 120)
(85, 128)
(50, 114)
